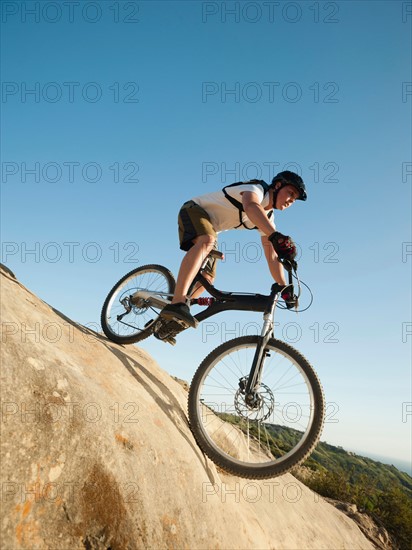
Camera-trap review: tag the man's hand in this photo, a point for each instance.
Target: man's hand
(284, 246)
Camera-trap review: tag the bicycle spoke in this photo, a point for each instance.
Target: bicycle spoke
(126, 316)
(267, 430)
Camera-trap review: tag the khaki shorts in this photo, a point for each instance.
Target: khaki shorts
(195, 221)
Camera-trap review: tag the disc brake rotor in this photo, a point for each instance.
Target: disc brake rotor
(262, 408)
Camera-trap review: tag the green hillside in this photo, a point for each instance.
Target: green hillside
(379, 489)
(382, 477)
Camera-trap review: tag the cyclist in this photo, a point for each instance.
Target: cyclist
(242, 205)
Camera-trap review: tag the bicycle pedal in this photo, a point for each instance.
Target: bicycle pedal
(167, 330)
(181, 323)
(185, 325)
(172, 324)
(166, 339)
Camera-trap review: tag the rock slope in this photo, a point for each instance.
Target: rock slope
(96, 453)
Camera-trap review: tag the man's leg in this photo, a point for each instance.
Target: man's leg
(191, 263)
(199, 288)
(197, 236)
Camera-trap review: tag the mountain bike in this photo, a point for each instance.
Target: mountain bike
(256, 406)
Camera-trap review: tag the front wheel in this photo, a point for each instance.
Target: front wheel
(270, 435)
(133, 305)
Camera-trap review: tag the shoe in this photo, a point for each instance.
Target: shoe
(179, 312)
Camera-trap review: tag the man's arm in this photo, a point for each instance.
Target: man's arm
(256, 213)
(275, 267)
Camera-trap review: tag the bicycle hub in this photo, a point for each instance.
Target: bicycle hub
(252, 400)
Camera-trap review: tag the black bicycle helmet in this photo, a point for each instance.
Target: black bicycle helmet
(290, 178)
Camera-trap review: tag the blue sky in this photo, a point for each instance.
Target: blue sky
(136, 107)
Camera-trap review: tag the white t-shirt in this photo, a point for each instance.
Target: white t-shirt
(223, 214)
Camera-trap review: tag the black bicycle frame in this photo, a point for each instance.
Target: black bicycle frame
(226, 301)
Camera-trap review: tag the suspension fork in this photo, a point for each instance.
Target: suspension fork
(256, 371)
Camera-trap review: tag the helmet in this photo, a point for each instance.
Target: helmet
(290, 178)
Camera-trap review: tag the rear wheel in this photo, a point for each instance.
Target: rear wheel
(127, 318)
(268, 435)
